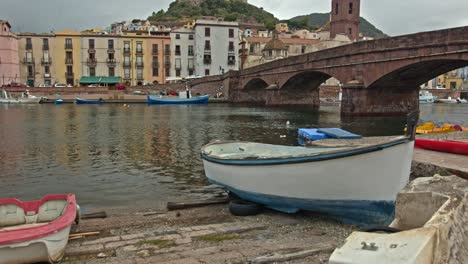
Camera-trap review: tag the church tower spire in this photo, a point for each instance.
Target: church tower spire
(344, 18)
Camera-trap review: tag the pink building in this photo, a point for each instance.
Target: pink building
(9, 59)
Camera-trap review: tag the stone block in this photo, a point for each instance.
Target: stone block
(113, 245)
(102, 240)
(84, 250)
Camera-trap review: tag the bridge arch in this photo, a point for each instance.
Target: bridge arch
(413, 75)
(307, 80)
(256, 84)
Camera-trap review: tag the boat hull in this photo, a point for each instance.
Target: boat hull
(171, 101)
(50, 248)
(358, 189)
(448, 146)
(20, 101)
(82, 101)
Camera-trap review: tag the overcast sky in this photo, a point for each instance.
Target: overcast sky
(394, 17)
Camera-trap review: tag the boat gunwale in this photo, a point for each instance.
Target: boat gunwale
(37, 232)
(282, 160)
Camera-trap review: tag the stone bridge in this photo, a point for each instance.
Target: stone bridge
(379, 77)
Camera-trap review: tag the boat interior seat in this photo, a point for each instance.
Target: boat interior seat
(11, 214)
(51, 210)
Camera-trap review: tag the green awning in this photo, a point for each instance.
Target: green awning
(99, 80)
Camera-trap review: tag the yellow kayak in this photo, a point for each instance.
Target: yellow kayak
(430, 128)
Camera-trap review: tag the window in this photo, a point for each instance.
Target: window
(167, 49)
(168, 72)
(28, 43)
(190, 72)
(350, 31)
(68, 43)
(29, 58)
(207, 72)
(177, 72)
(110, 44)
(167, 61)
(126, 46)
(92, 71)
(155, 49)
(350, 11)
(139, 74)
(178, 64)
(177, 50)
(127, 73)
(190, 37)
(252, 48)
(139, 47)
(207, 32)
(92, 57)
(207, 45)
(46, 56)
(155, 62)
(127, 61)
(231, 46)
(207, 59)
(190, 65)
(46, 69)
(231, 33)
(139, 61)
(45, 44)
(177, 36)
(111, 57)
(69, 57)
(91, 44)
(336, 8)
(190, 50)
(70, 69)
(30, 71)
(303, 49)
(453, 85)
(231, 60)
(155, 72)
(111, 72)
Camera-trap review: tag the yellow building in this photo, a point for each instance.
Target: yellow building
(37, 52)
(450, 80)
(68, 57)
(282, 27)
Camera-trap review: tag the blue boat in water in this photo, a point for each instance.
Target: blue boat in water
(152, 100)
(83, 101)
(58, 102)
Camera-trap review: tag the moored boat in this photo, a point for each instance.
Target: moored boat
(166, 100)
(89, 101)
(35, 231)
(448, 146)
(431, 128)
(426, 97)
(357, 184)
(58, 102)
(28, 99)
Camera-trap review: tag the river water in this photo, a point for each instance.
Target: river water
(111, 156)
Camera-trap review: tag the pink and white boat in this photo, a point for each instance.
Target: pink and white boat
(36, 231)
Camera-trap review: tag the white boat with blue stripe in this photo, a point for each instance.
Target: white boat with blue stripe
(356, 185)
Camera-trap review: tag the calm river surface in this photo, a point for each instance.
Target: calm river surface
(142, 156)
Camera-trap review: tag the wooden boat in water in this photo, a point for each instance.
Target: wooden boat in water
(448, 146)
(152, 100)
(35, 231)
(29, 99)
(84, 101)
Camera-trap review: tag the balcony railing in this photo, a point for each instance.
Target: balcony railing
(110, 50)
(68, 61)
(231, 62)
(47, 75)
(91, 62)
(207, 60)
(126, 50)
(69, 74)
(91, 51)
(29, 46)
(127, 64)
(139, 51)
(111, 61)
(28, 61)
(46, 61)
(45, 47)
(139, 64)
(68, 46)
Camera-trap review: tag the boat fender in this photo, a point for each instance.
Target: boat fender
(243, 208)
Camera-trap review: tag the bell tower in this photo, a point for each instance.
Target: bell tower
(344, 18)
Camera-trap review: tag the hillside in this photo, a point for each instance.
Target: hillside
(316, 20)
(230, 10)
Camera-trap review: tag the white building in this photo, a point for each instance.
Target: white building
(183, 53)
(216, 46)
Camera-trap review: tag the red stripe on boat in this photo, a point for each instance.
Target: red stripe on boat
(31, 233)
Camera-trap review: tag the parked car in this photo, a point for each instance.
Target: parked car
(16, 85)
(44, 85)
(60, 85)
(120, 87)
(147, 84)
(95, 85)
(138, 93)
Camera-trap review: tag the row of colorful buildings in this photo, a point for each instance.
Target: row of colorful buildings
(133, 57)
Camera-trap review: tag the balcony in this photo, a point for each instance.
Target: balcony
(46, 61)
(69, 61)
(91, 51)
(68, 46)
(231, 51)
(231, 62)
(127, 64)
(110, 50)
(91, 62)
(69, 75)
(126, 50)
(111, 62)
(29, 46)
(45, 47)
(28, 61)
(139, 64)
